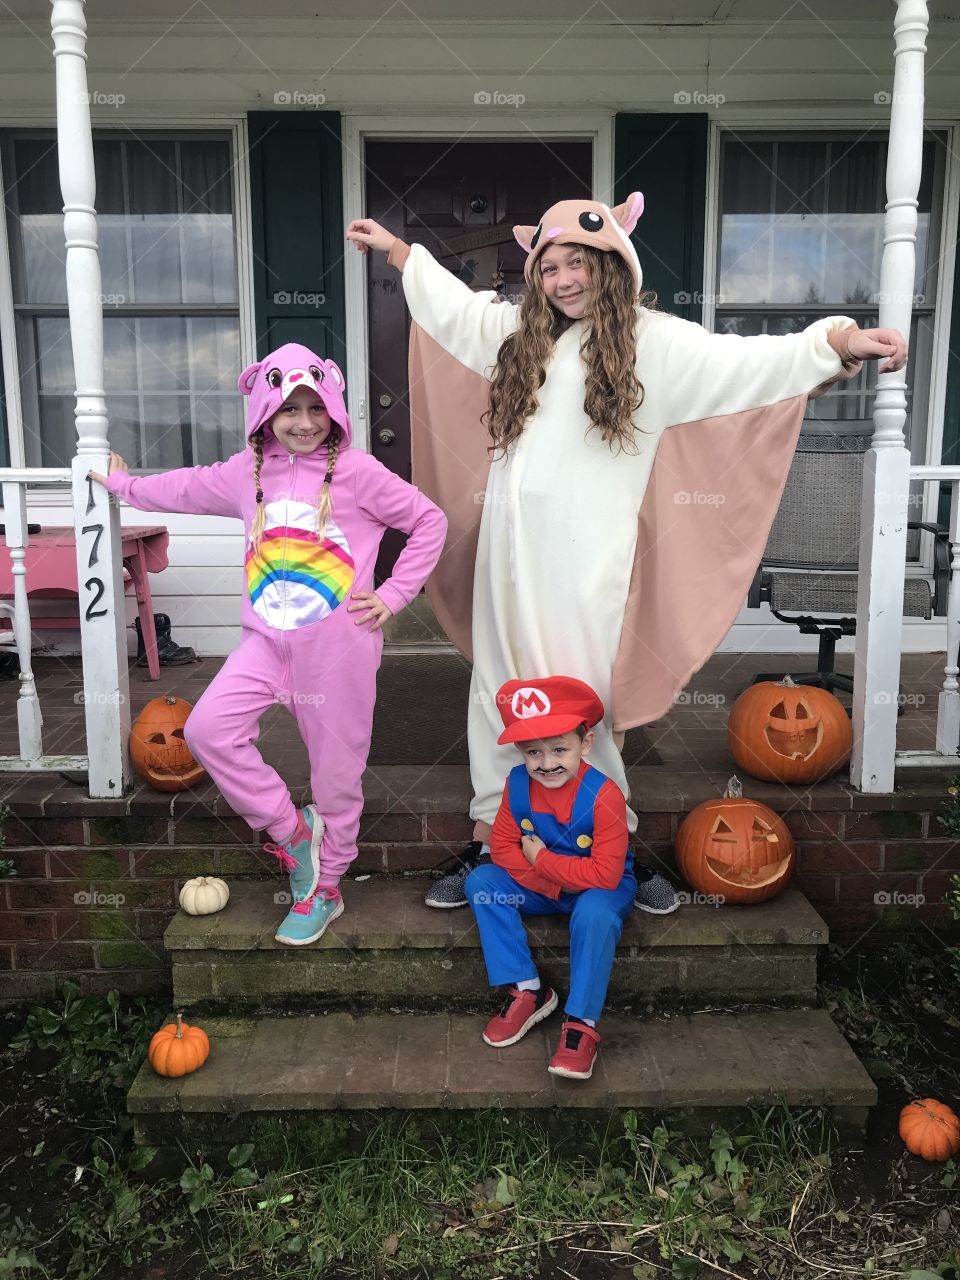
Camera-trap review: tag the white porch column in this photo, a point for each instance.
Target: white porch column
(886, 475)
(97, 520)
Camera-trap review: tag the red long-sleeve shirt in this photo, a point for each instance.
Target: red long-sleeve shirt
(602, 868)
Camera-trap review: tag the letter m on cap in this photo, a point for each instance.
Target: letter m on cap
(530, 702)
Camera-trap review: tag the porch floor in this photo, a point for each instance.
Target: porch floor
(682, 756)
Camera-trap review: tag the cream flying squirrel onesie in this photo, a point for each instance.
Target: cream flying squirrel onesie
(624, 570)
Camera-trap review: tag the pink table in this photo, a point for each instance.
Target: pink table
(51, 564)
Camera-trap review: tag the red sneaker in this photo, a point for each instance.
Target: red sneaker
(520, 1011)
(576, 1052)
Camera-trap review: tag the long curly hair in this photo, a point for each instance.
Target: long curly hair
(613, 391)
(324, 499)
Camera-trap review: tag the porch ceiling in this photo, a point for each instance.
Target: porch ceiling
(657, 12)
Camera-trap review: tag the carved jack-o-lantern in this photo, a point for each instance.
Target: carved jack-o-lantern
(158, 748)
(783, 732)
(735, 849)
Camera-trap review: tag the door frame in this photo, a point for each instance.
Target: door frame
(596, 127)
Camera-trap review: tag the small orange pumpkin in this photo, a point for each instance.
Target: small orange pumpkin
(735, 849)
(177, 1049)
(784, 732)
(930, 1129)
(158, 748)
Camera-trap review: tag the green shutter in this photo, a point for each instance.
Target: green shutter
(950, 455)
(665, 157)
(298, 244)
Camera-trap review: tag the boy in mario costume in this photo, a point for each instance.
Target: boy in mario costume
(559, 846)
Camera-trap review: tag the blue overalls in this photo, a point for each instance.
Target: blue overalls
(596, 915)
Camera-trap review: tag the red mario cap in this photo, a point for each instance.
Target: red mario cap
(546, 708)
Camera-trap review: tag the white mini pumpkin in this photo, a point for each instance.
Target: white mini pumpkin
(204, 895)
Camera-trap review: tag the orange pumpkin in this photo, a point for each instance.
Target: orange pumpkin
(735, 849)
(158, 748)
(178, 1049)
(930, 1129)
(784, 732)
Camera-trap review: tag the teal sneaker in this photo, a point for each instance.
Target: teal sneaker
(306, 921)
(300, 855)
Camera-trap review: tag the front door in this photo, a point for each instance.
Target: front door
(461, 201)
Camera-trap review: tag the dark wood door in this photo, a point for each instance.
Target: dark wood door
(461, 201)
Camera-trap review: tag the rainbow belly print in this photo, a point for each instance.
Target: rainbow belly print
(295, 578)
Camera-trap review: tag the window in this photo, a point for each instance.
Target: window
(801, 236)
(170, 298)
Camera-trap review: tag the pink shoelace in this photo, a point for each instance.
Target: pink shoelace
(287, 860)
(303, 908)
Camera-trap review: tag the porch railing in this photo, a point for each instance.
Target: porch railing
(13, 484)
(948, 701)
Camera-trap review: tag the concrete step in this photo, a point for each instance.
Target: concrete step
(388, 949)
(678, 1064)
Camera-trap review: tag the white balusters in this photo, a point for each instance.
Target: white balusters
(99, 566)
(29, 717)
(948, 704)
(886, 473)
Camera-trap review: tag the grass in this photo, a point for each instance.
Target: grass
(473, 1196)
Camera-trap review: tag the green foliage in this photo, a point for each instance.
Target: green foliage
(94, 1038)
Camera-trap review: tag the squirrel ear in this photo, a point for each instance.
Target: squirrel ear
(628, 213)
(523, 236)
(247, 379)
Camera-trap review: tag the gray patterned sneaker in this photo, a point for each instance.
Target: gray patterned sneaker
(448, 890)
(654, 893)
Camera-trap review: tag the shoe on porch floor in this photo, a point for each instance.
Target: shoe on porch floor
(521, 1010)
(576, 1052)
(655, 893)
(306, 921)
(448, 890)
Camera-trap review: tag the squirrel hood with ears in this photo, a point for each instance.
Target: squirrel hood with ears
(585, 222)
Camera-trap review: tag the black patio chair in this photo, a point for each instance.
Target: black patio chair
(809, 566)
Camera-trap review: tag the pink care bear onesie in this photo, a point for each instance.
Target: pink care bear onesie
(298, 645)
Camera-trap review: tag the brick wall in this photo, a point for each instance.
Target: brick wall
(97, 881)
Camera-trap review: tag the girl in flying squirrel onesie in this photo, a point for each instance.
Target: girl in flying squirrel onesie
(636, 466)
(314, 511)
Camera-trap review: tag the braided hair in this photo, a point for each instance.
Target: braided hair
(324, 500)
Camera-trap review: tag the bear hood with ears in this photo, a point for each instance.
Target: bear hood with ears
(271, 380)
(585, 222)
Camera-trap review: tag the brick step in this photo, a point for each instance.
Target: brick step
(677, 1064)
(389, 948)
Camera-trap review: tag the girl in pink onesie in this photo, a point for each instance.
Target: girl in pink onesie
(314, 511)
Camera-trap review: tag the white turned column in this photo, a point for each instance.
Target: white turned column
(29, 717)
(948, 704)
(886, 474)
(99, 567)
